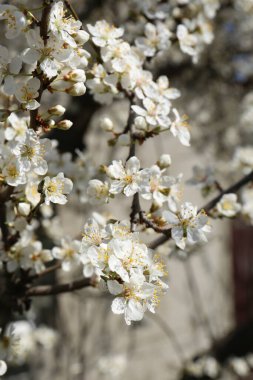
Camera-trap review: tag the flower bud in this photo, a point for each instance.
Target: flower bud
(98, 191)
(3, 367)
(164, 161)
(59, 85)
(83, 55)
(77, 75)
(106, 124)
(140, 123)
(81, 37)
(24, 208)
(57, 110)
(64, 125)
(78, 89)
(51, 123)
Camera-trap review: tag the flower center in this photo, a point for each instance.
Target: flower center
(28, 151)
(128, 179)
(12, 171)
(227, 206)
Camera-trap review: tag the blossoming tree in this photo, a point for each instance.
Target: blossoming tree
(58, 54)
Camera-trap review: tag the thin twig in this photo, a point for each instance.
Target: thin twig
(71, 9)
(4, 197)
(46, 290)
(50, 269)
(44, 34)
(207, 207)
(135, 208)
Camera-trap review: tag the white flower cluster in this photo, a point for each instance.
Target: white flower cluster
(190, 23)
(34, 170)
(151, 183)
(131, 272)
(162, 190)
(57, 58)
(14, 19)
(23, 162)
(121, 72)
(34, 174)
(120, 63)
(187, 225)
(27, 254)
(79, 169)
(21, 340)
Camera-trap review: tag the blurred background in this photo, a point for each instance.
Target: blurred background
(203, 328)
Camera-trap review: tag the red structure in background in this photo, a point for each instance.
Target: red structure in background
(242, 250)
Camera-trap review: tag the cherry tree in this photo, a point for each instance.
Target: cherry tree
(58, 56)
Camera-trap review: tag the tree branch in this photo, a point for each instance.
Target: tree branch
(135, 208)
(4, 197)
(48, 270)
(71, 10)
(44, 34)
(207, 207)
(46, 290)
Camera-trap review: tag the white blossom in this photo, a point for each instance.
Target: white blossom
(68, 253)
(155, 185)
(104, 33)
(98, 191)
(17, 128)
(55, 189)
(243, 158)
(128, 267)
(155, 114)
(180, 128)
(15, 20)
(38, 257)
(31, 151)
(157, 38)
(61, 26)
(187, 41)
(164, 161)
(228, 205)
(13, 172)
(124, 179)
(187, 225)
(3, 367)
(8, 68)
(26, 93)
(51, 57)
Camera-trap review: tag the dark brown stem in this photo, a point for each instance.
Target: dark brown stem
(3, 226)
(47, 290)
(44, 34)
(71, 9)
(4, 197)
(135, 208)
(149, 223)
(218, 186)
(50, 269)
(36, 209)
(207, 207)
(232, 189)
